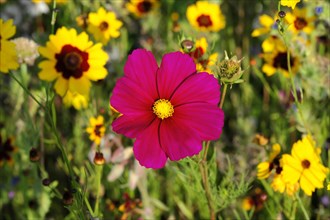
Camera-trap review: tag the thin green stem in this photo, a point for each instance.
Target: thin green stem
(301, 205)
(282, 33)
(205, 180)
(98, 186)
(89, 206)
(223, 96)
(54, 14)
(204, 169)
(293, 210)
(26, 90)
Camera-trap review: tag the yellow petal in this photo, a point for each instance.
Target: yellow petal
(61, 86)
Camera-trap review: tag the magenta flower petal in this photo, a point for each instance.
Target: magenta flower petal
(147, 149)
(205, 119)
(177, 140)
(174, 69)
(141, 67)
(132, 125)
(193, 91)
(129, 98)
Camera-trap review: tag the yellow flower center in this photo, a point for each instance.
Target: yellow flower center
(104, 26)
(163, 108)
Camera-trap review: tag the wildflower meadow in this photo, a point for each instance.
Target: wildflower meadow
(164, 109)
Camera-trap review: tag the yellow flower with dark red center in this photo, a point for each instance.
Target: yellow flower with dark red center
(299, 21)
(76, 100)
(304, 165)
(268, 23)
(289, 3)
(205, 16)
(265, 168)
(6, 149)
(96, 129)
(103, 25)
(276, 60)
(141, 8)
(8, 56)
(72, 60)
(203, 61)
(255, 200)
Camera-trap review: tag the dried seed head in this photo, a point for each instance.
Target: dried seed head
(34, 155)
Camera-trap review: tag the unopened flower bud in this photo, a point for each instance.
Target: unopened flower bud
(46, 182)
(281, 14)
(188, 46)
(34, 155)
(99, 159)
(67, 198)
(229, 70)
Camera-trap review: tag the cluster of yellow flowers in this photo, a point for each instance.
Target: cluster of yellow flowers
(297, 24)
(302, 168)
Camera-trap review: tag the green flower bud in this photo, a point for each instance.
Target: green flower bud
(229, 70)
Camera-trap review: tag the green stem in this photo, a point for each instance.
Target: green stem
(54, 14)
(293, 210)
(223, 96)
(52, 123)
(301, 205)
(26, 90)
(89, 206)
(98, 186)
(282, 33)
(205, 181)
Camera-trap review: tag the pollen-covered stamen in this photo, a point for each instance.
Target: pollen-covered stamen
(104, 26)
(163, 108)
(305, 164)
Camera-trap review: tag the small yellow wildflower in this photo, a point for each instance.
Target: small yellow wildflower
(205, 16)
(267, 24)
(304, 166)
(103, 25)
(140, 8)
(299, 21)
(265, 168)
(72, 60)
(96, 129)
(8, 56)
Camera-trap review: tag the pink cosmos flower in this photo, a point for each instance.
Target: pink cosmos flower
(170, 109)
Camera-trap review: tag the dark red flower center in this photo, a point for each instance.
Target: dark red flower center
(305, 164)
(197, 54)
(97, 131)
(104, 26)
(300, 23)
(204, 20)
(281, 61)
(71, 62)
(144, 6)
